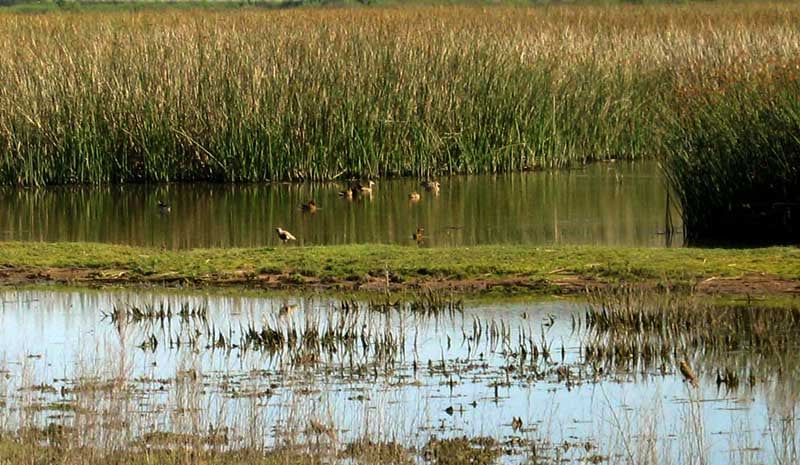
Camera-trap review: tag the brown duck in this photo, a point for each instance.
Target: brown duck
(688, 373)
(419, 235)
(431, 186)
(310, 207)
(363, 188)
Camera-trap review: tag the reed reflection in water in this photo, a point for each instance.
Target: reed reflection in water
(609, 204)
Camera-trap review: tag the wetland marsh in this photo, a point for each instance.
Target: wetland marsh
(523, 382)
(407, 234)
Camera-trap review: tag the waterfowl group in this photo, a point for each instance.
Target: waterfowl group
(359, 188)
(355, 189)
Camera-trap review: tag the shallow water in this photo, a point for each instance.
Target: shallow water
(608, 203)
(407, 376)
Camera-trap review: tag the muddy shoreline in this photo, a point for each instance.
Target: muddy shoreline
(561, 284)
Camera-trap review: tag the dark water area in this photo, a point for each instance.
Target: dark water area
(602, 204)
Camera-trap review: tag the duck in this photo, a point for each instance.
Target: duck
(347, 194)
(414, 197)
(363, 188)
(688, 373)
(431, 186)
(419, 235)
(516, 423)
(163, 207)
(310, 206)
(318, 428)
(286, 310)
(285, 235)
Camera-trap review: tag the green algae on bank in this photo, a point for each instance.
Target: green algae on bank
(516, 269)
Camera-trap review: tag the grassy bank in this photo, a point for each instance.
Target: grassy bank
(335, 92)
(519, 269)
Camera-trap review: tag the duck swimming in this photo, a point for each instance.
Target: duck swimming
(310, 207)
(431, 186)
(364, 188)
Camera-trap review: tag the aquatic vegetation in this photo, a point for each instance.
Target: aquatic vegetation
(255, 95)
(365, 452)
(134, 314)
(640, 329)
(735, 162)
(470, 385)
(480, 451)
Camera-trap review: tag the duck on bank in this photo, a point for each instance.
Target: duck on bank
(285, 235)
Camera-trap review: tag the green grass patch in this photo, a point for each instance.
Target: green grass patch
(339, 263)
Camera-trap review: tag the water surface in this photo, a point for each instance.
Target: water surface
(408, 376)
(608, 203)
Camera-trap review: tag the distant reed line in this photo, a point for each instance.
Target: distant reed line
(332, 93)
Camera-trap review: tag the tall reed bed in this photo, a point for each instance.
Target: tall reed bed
(735, 160)
(336, 92)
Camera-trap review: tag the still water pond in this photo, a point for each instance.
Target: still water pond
(609, 203)
(262, 370)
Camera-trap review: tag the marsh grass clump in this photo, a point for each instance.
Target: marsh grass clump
(631, 329)
(151, 313)
(22, 449)
(479, 451)
(168, 439)
(740, 325)
(426, 302)
(735, 161)
(54, 434)
(329, 93)
(324, 336)
(366, 451)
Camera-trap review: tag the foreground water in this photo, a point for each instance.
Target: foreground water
(263, 369)
(609, 203)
